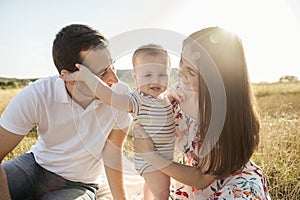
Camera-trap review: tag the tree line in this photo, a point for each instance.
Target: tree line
(9, 83)
(124, 75)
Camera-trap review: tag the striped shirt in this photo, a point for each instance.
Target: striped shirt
(156, 117)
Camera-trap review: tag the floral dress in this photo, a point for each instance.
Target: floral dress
(249, 184)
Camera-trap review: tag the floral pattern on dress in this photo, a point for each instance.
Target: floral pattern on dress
(248, 184)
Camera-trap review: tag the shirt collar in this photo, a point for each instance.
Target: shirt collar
(61, 94)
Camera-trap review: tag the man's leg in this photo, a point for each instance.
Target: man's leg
(70, 194)
(27, 180)
(18, 172)
(58, 188)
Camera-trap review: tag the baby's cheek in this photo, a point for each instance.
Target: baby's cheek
(165, 83)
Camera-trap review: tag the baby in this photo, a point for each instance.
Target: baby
(149, 107)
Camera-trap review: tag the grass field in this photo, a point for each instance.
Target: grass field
(279, 150)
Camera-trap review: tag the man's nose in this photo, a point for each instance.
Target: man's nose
(112, 77)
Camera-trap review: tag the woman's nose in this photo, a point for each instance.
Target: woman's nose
(180, 73)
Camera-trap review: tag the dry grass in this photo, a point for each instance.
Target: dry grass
(5, 96)
(279, 150)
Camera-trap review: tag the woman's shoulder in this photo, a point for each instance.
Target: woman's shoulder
(248, 184)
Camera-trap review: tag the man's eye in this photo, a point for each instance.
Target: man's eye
(101, 73)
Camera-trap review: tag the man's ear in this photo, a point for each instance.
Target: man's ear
(64, 72)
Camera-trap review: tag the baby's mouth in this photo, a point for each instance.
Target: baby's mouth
(155, 88)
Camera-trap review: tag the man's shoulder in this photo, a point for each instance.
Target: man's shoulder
(43, 85)
(45, 82)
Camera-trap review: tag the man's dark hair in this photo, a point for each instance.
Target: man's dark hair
(70, 41)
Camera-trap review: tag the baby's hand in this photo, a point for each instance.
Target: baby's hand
(83, 74)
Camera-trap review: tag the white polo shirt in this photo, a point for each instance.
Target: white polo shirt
(71, 138)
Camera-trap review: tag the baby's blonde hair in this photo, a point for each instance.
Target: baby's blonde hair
(152, 50)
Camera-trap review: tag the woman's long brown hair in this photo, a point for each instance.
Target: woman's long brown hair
(240, 133)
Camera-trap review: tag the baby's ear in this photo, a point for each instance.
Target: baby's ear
(133, 74)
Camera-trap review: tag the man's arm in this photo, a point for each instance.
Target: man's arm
(112, 156)
(8, 141)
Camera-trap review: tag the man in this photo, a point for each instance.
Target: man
(80, 138)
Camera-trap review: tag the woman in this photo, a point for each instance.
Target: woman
(218, 127)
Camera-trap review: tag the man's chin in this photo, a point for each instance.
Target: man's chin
(83, 90)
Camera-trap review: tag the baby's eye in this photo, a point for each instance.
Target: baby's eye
(163, 75)
(148, 75)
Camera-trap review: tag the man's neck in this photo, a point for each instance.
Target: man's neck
(81, 98)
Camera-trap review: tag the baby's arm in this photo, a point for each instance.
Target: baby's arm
(101, 90)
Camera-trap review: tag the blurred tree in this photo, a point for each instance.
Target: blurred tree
(288, 78)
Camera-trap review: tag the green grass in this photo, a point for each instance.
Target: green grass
(279, 151)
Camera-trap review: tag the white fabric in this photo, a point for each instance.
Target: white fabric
(133, 182)
(70, 139)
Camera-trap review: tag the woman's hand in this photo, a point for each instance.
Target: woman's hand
(82, 75)
(175, 96)
(188, 101)
(142, 142)
(144, 148)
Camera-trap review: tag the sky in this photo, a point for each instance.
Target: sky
(269, 29)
